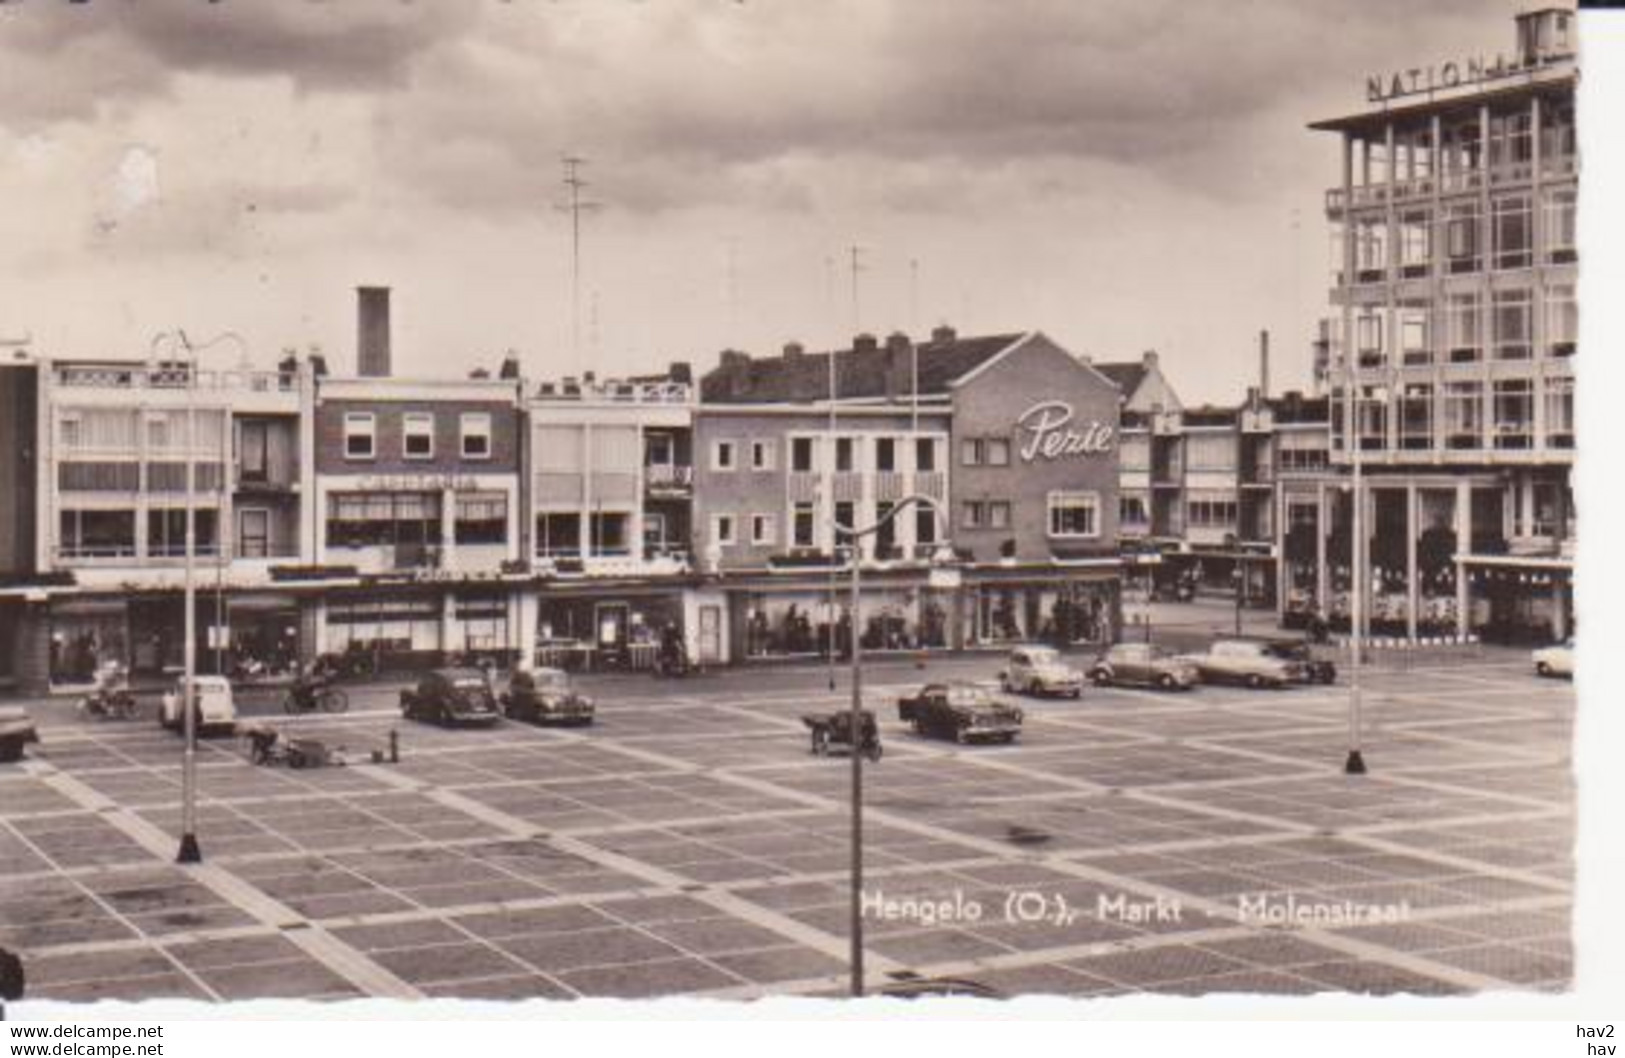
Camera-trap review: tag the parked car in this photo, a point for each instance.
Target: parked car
(451, 696)
(1555, 660)
(1252, 662)
(16, 731)
(213, 701)
(961, 712)
(1315, 669)
(1040, 670)
(1145, 663)
(541, 696)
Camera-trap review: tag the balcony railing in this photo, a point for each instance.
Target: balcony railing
(172, 377)
(616, 392)
(803, 486)
(666, 477)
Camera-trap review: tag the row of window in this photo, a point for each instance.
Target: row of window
(1458, 238)
(1456, 330)
(417, 435)
(373, 519)
(761, 454)
(1458, 416)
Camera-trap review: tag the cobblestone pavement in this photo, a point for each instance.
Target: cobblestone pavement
(690, 844)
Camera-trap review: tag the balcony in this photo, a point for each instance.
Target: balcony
(932, 484)
(135, 376)
(803, 486)
(668, 479)
(847, 486)
(662, 392)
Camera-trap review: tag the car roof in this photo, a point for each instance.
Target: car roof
(458, 674)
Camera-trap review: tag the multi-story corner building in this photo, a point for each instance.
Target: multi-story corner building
(415, 512)
(1454, 218)
(115, 447)
(1010, 443)
(610, 491)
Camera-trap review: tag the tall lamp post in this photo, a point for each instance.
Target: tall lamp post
(190, 851)
(1353, 432)
(943, 557)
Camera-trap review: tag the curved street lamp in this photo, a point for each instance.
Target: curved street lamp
(943, 556)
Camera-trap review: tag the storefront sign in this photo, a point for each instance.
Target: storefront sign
(415, 482)
(1422, 79)
(1051, 435)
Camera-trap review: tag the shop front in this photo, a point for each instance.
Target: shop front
(587, 627)
(1004, 609)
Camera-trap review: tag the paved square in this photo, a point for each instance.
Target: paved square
(689, 844)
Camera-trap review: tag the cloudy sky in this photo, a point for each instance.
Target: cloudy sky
(1122, 174)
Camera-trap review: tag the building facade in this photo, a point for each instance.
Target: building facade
(1450, 367)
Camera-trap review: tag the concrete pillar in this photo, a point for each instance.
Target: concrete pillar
(1323, 583)
(528, 609)
(1413, 593)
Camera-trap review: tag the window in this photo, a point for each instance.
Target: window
(1371, 417)
(1463, 415)
(1415, 346)
(885, 454)
(972, 452)
(96, 534)
(761, 454)
(1511, 142)
(998, 514)
(886, 534)
(611, 533)
(1461, 238)
(1210, 512)
(1560, 412)
(1510, 228)
(1370, 250)
(253, 532)
(383, 519)
(845, 516)
(558, 534)
(658, 450)
(844, 454)
(973, 514)
(761, 530)
(70, 430)
(1464, 328)
(655, 541)
(723, 456)
(1301, 450)
(1511, 319)
(1514, 409)
(475, 427)
(1543, 515)
(1369, 328)
(1134, 453)
(253, 451)
(481, 518)
(925, 525)
(925, 454)
(417, 435)
(1415, 244)
(166, 532)
(1210, 451)
(998, 451)
(1074, 514)
(159, 438)
(1132, 511)
(359, 427)
(1416, 416)
(1560, 226)
(803, 525)
(1562, 320)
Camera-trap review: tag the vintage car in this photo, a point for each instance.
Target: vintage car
(451, 696)
(1253, 662)
(542, 696)
(215, 708)
(962, 712)
(1291, 648)
(1040, 670)
(1555, 660)
(1144, 663)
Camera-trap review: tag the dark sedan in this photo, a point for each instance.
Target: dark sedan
(451, 696)
(960, 712)
(543, 696)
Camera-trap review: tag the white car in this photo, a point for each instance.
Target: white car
(216, 709)
(1040, 670)
(1555, 660)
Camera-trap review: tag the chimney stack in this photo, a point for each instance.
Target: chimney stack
(865, 343)
(372, 332)
(899, 365)
(1264, 364)
(942, 334)
(794, 350)
(1149, 359)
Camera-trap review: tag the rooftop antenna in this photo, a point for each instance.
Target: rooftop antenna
(575, 207)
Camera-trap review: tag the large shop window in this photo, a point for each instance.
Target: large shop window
(417, 435)
(484, 621)
(374, 519)
(482, 518)
(96, 534)
(384, 626)
(166, 532)
(1074, 515)
(558, 534)
(1514, 413)
(360, 430)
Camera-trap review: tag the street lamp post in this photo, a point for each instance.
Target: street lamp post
(855, 717)
(1354, 764)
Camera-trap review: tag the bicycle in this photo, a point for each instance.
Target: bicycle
(310, 699)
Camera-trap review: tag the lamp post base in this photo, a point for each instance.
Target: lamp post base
(1355, 765)
(189, 851)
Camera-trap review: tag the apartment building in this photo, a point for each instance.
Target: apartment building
(1453, 226)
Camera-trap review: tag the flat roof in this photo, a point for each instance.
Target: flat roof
(1557, 75)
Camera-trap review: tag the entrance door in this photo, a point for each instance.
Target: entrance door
(710, 635)
(610, 622)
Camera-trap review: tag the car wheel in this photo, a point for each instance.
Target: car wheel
(1542, 669)
(1167, 682)
(1254, 681)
